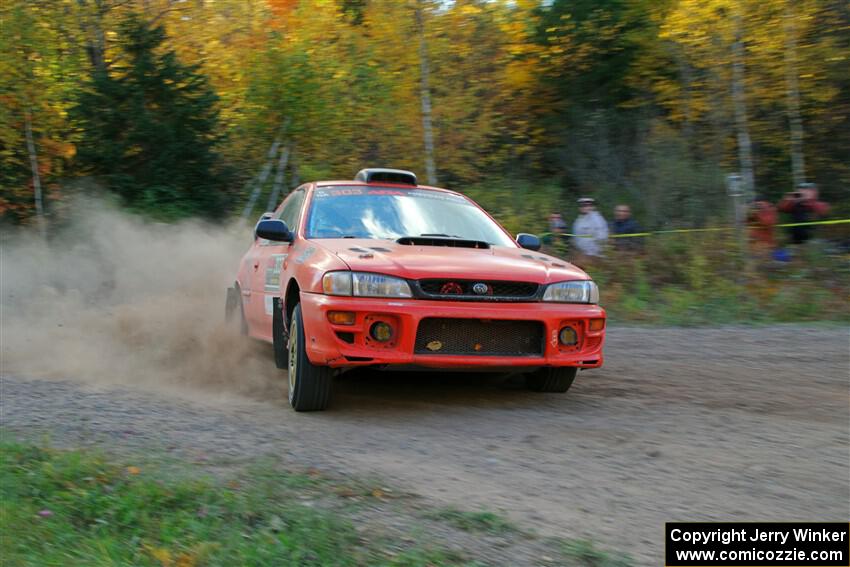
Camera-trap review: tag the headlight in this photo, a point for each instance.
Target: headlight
(572, 292)
(364, 284)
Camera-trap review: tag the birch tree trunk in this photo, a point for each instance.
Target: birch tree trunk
(425, 96)
(745, 156)
(260, 180)
(36, 177)
(295, 182)
(798, 166)
(279, 179)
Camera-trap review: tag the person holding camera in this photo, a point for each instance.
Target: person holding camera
(761, 218)
(803, 206)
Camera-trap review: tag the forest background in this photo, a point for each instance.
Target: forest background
(185, 108)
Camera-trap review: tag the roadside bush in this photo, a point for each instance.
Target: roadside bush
(704, 279)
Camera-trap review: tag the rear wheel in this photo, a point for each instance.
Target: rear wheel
(309, 385)
(551, 379)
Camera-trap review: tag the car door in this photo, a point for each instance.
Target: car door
(267, 266)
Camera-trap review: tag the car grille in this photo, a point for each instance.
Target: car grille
(479, 337)
(464, 290)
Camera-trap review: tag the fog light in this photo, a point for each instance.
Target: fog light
(568, 336)
(341, 317)
(597, 324)
(381, 332)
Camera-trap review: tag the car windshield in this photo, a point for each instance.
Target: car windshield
(389, 213)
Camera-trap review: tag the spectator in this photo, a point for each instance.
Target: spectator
(803, 206)
(589, 228)
(557, 225)
(625, 224)
(761, 219)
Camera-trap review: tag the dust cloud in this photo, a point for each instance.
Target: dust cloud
(115, 300)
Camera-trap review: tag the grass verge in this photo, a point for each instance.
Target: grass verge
(80, 507)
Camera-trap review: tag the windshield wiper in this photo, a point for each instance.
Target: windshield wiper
(441, 234)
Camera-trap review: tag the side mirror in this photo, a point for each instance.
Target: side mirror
(528, 241)
(273, 229)
(264, 216)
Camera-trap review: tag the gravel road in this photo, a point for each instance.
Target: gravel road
(680, 425)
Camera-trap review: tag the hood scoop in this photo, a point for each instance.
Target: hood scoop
(442, 241)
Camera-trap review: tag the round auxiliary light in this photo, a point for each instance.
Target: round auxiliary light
(568, 336)
(381, 332)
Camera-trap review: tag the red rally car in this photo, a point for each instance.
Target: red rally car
(381, 271)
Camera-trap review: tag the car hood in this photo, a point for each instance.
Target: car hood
(420, 261)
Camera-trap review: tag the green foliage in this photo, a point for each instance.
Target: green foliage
(150, 129)
(520, 206)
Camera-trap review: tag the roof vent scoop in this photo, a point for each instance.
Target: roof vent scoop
(379, 174)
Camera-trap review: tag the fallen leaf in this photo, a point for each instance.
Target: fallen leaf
(160, 554)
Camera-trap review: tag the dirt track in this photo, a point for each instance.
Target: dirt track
(681, 424)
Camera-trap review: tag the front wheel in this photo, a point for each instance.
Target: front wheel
(309, 385)
(551, 379)
(280, 340)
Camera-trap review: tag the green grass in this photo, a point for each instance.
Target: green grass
(583, 552)
(482, 521)
(80, 508)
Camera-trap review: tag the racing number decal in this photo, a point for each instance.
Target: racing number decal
(273, 267)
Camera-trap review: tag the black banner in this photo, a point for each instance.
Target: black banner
(762, 544)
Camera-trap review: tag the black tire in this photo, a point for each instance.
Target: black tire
(309, 385)
(551, 379)
(233, 308)
(280, 339)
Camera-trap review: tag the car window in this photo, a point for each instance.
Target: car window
(291, 211)
(390, 213)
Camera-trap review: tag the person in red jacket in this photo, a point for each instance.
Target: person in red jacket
(761, 219)
(803, 206)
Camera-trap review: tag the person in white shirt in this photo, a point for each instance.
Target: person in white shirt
(590, 224)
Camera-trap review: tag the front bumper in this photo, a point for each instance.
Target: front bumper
(326, 347)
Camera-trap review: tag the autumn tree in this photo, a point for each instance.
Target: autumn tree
(37, 76)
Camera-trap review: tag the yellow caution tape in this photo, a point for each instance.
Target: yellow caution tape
(686, 230)
(839, 221)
